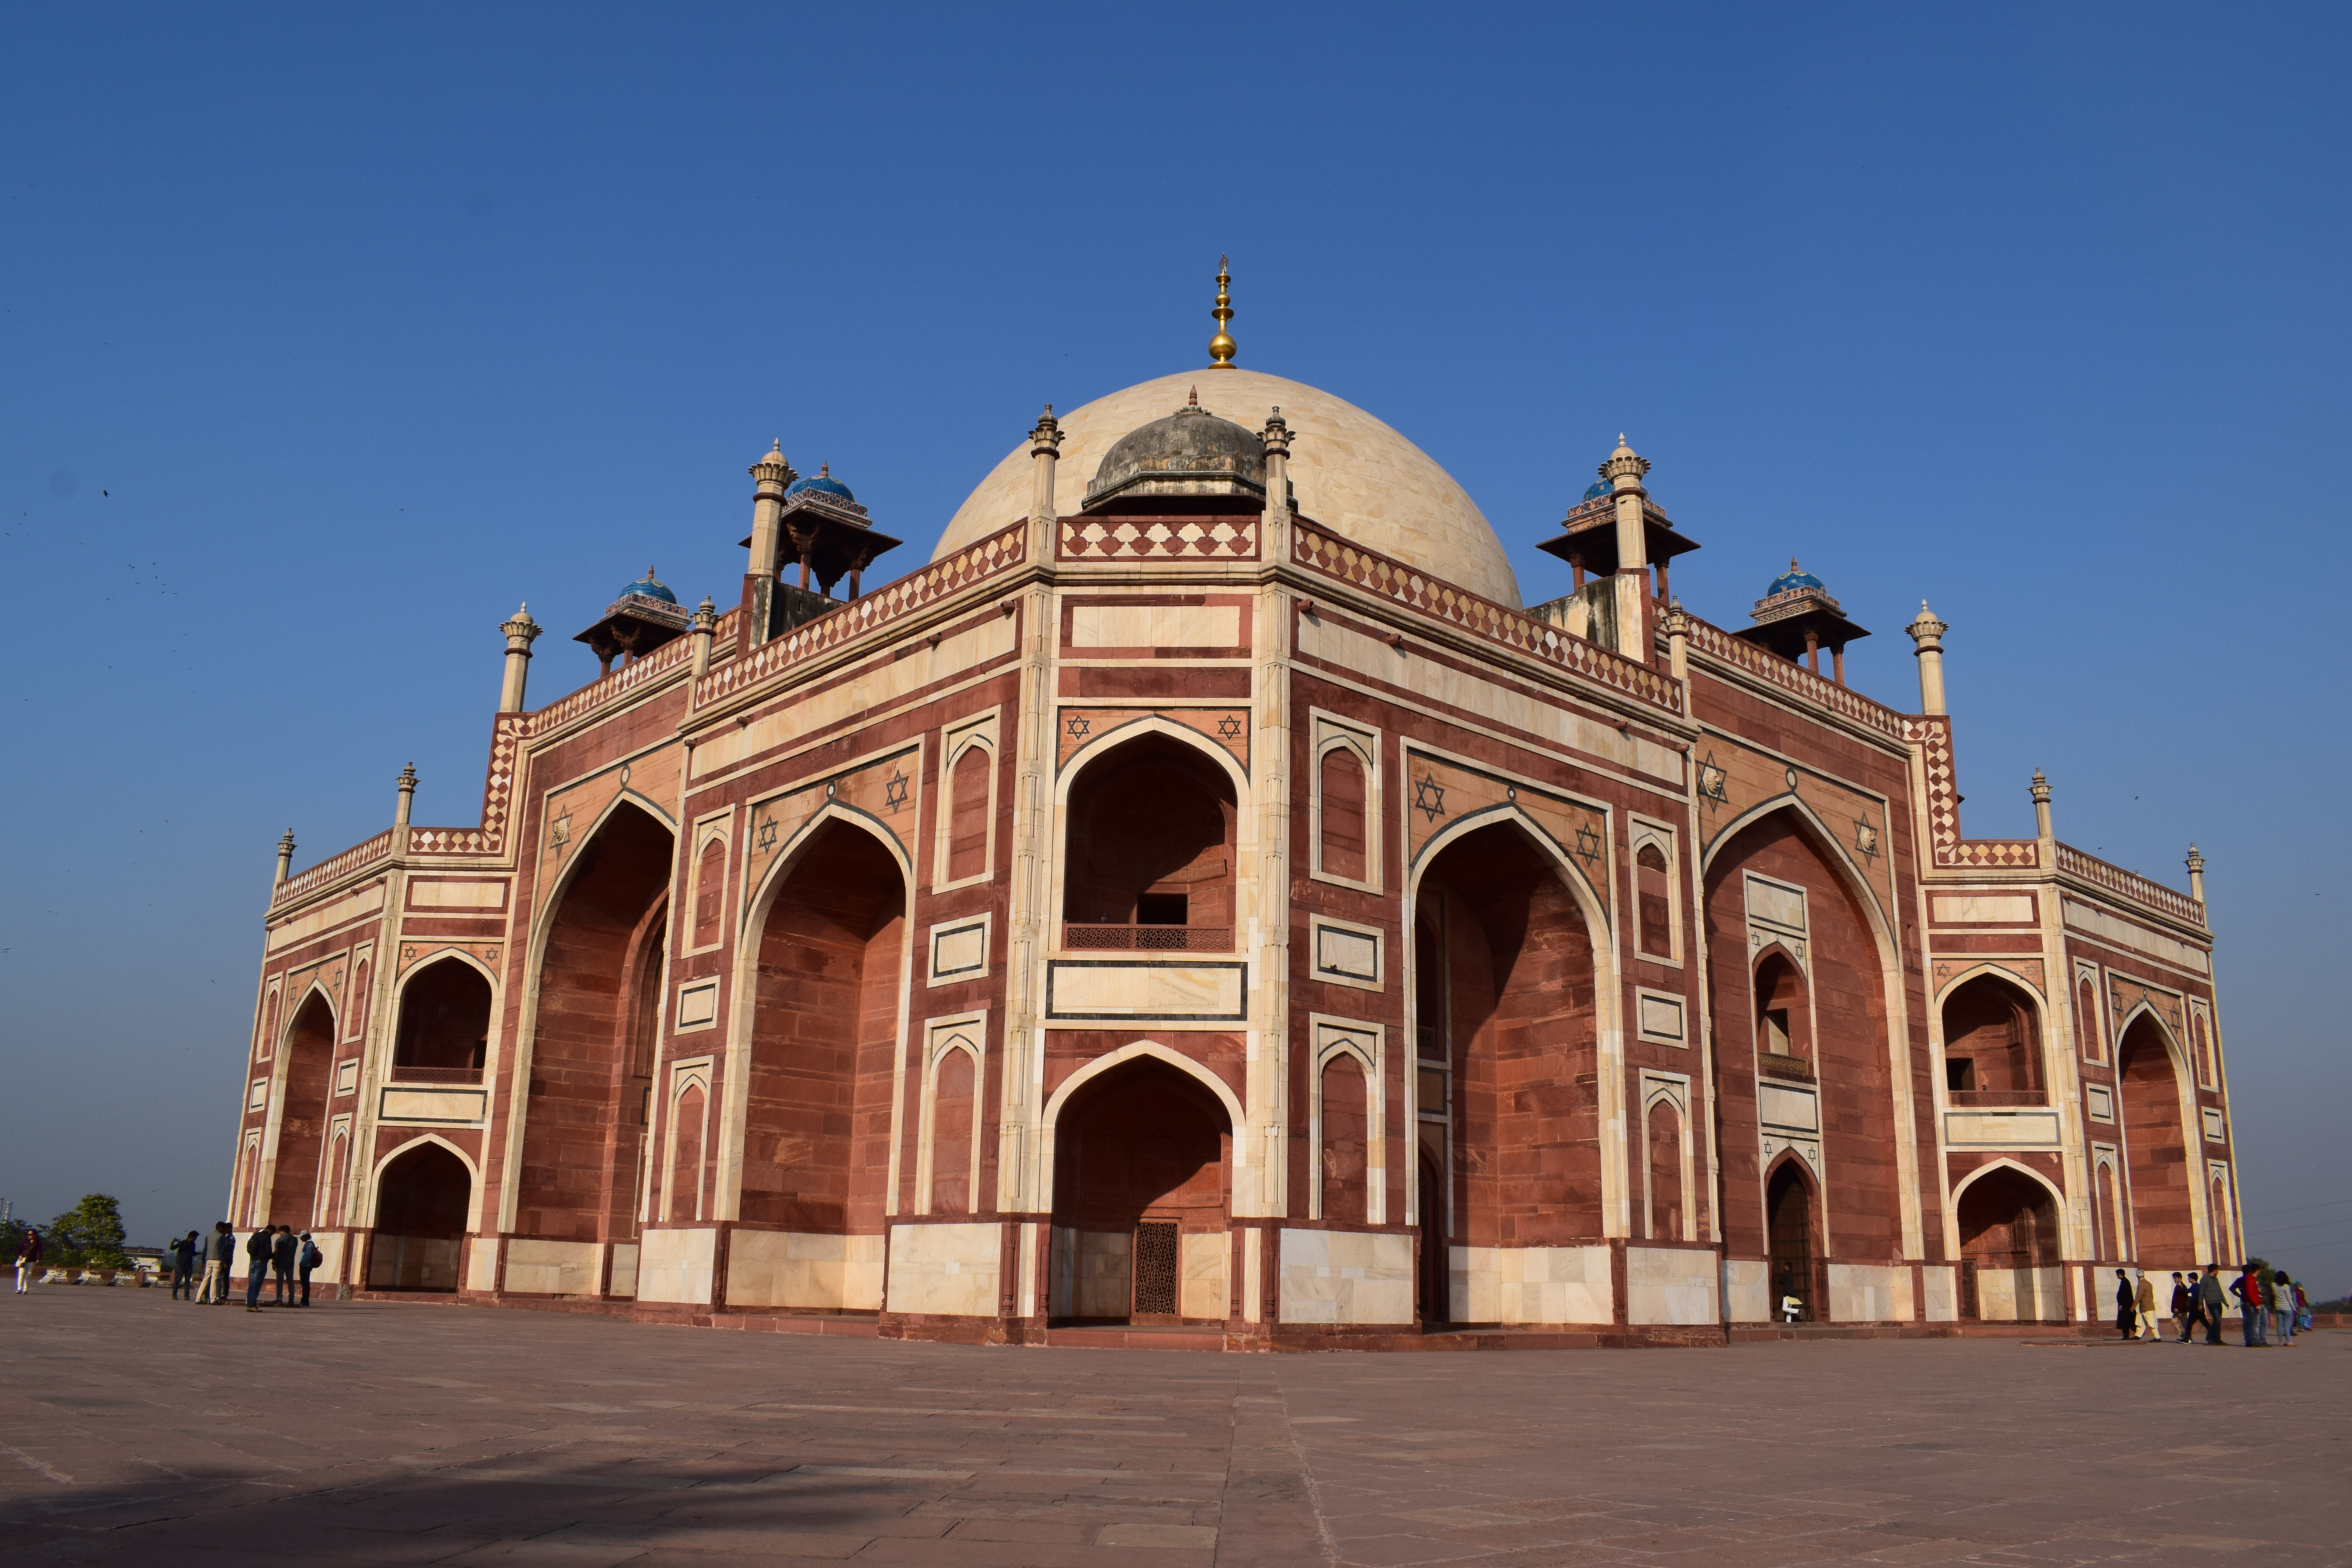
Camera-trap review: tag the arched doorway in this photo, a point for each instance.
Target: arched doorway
(294, 1179)
(1142, 1197)
(1504, 1023)
(2163, 1232)
(1790, 1241)
(421, 1199)
(1435, 1260)
(1993, 1044)
(592, 1043)
(445, 1025)
(2009, 1250)
(1150, 855)
(825, 1032)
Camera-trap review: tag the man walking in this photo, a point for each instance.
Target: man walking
(308, 1258)
(28, 1257)
(2126, 1304)
(218, 1249)
(2184, 1303)
(2248, 1289)
(2144, 1298)
(184, 1267)
(256, 1264)
(2214, 1302)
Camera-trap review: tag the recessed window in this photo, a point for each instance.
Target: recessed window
(1776, 1031)
(1163, 910)
(1959, 1074)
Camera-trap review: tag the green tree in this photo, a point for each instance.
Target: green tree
(89, 1233)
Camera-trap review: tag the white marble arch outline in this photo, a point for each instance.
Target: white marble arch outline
(1609, 1013)
(542, 920)
(1140, 1050)
(2192, 1125)
(727, 1191)
(1826, 845)
(473, 1175)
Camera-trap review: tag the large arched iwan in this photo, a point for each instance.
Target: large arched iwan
(816, 1135)
(302, 1125)
(422, 1197)
(592, 1053)
(1505, 989)
(2157, 1177)
(1845, 1055)
(1141, 1191)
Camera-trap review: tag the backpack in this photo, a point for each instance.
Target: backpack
(312, 1255)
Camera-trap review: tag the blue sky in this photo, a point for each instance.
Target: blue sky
(329, 336)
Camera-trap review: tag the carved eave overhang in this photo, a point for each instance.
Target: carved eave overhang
(635, 625)
(1587, 537)
(833, 535)
(1784, 620)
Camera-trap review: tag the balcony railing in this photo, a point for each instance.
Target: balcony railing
(1148, 938)
(1994, 1098)
(1793, 1067)
(436, 1075)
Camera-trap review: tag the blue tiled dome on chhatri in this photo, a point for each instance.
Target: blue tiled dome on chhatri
(1792, 579)
(649, 587)
(823, 483)
(1596, 490)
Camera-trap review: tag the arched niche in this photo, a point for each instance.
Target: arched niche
(444, 1029)
(308, 1071)
(1142, 1196)
(2159, 1147)
(424, 1191)
(2011, 1245)
(1150, 845)
(1993, 1043)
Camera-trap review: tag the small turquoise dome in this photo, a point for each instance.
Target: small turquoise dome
(648, 587)
(1596, 490)
(823, 483)
(1792, 579)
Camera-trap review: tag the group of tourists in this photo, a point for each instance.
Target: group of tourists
(200, 1264)
(2271, 1306)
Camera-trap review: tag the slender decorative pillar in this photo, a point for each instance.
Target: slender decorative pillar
(2049, 840)
(1623, 471)
(1928, 633)
(2196, 874)
(406, 785)
(771, 474)
(1274, 535)
(701, 629)
(1676, 622)
(284, 854)
(1044, 449)
(521, 632)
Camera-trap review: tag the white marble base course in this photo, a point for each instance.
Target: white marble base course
(1345, 1277)
(1747, 1290)
(674, 1267)
(481, 1263)
(625, 1271)
(1667, 1284)
(1531, 1285)
(1870, 1292)
(2021, 1295)
(1202, 1292)
(795, 1268)
(1939, 1288)
(554, 1267)
(945, 1271)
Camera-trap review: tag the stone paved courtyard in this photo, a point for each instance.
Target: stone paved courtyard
(365, 1433)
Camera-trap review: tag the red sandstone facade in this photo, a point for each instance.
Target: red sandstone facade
(1184, 911)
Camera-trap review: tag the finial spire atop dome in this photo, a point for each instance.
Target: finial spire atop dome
(1222, 348)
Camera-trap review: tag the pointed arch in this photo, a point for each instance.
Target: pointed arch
(419, 1220)
(1135, 729)
(291, 1016)
(408, 1146)
(1138, 1051)
(404, 1036)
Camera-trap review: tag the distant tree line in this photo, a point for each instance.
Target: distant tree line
(88, 1235)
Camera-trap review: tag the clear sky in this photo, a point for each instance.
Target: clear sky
(328, 336)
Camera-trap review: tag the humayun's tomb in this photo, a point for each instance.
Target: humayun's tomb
(1204, 902)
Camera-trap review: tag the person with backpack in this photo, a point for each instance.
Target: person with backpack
(184, 1267)
(219, 1251)
(282, 1252)
(307, 1258)
(2214, 1302)
(2248, 1289)
(256, 1264)
(28, 1257)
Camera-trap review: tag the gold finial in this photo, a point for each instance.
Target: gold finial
(1222, 347)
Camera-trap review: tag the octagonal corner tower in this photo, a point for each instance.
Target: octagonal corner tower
(1348, 471)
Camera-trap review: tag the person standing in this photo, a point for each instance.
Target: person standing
(308, 1257)
(2248, 1289)
(2144, 1298)
(2126, 1304)
(2282, 1308)
(184, 1267)
(28, 1257)
(2184, 1303)
(282, 1252)
(256, 1264)
(219, 1248)
(2214, 1302)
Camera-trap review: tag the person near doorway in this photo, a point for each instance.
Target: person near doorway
(1792, 1306)
(28, 1257)
(307, 1257)
(2282, 1308)
(2126, 1304)
(2214, 1302)
(184, 1266)
(282, 1253)
(2186, 1309)
(2144, 1298)
(2248, 1289)
(220, 1248)
(256, 1264)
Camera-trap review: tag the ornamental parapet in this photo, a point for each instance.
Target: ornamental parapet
(2130, 886)
(991, 558)
(334, 869)
(1794, 678)
(1333, 557)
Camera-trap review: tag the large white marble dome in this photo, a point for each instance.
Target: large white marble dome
(1350, 472)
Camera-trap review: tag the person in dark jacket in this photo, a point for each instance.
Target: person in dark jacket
(184, 1266)
(2127, 1305)
(282, 1251)
(2248, 1289)
(2215, 1301)
(257, 1264)
(2186, 1307)
(305, 1260)
(28, 1257)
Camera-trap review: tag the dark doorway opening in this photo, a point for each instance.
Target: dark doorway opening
(1788, 1229)
(420, 1221)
